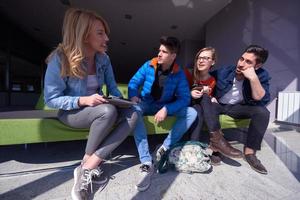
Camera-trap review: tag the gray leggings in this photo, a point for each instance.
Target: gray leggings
(102, 140)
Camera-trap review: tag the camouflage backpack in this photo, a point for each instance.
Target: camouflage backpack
(188, 157)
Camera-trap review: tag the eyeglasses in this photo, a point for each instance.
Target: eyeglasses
(204, 58)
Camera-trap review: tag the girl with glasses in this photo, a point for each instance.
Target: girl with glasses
(202, 90)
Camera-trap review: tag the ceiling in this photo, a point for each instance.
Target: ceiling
(136, 25)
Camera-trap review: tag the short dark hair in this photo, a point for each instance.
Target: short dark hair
(172, 43)
(260, 52)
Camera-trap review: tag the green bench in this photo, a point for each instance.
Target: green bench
(41, 125)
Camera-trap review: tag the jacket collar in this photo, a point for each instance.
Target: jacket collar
(154, 64)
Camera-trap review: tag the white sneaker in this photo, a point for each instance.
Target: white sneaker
(79, 190)
(144, 182)
(82, 180)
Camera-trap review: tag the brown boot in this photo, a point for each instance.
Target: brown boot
(219, 144)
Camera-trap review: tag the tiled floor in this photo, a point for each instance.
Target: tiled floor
(285, 142)
(46, 172)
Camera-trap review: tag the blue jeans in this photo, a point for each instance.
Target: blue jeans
(184, 119)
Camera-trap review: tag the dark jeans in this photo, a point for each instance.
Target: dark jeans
(207, 113)
(259, 120)
(258, 115)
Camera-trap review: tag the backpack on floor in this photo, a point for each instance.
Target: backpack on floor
(188, 157)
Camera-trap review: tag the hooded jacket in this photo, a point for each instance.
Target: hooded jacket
(175, 94)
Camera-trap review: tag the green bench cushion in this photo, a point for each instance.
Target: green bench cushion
(23, 131)
(35, 130)
(41, 125)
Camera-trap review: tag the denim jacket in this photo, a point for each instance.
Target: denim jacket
(225, 76)
(64, 92)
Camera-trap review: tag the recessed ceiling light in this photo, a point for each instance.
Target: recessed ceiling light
(174, 27)
(36, 29)
(128, 16)
(65, 2)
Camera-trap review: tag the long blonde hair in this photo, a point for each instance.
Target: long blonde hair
(76, 28)
(214, 58)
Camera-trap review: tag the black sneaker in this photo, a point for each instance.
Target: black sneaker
(144, 181)
(159, 153)
(215, 158)
(255, 164)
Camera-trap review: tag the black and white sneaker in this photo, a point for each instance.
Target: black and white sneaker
(159, 153)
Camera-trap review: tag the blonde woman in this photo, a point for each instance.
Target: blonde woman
(77, 70)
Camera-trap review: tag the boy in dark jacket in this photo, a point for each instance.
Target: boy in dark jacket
(242, 92)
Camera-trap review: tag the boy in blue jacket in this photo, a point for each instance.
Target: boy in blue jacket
(165, 92)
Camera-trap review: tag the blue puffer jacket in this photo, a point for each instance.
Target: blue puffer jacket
(225, 76)
(175, 95)
(64, 92)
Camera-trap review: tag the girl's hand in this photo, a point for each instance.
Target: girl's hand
(135, 99)
(92, 100)
(196, 94)
(214, 100)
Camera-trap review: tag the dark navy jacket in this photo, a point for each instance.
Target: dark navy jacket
(225, 76)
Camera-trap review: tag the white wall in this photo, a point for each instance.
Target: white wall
(273, 24)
